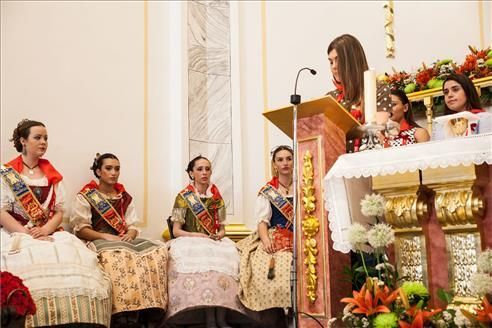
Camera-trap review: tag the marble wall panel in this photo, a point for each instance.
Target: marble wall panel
(209, 91)
(221, 157)
(209, 108)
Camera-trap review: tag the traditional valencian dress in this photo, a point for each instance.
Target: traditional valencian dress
(137, 268)
(203, 272)
(63, 276)
(265, 278)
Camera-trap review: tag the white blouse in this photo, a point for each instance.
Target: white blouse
(263, 209)
(9, 203)
(82, 216)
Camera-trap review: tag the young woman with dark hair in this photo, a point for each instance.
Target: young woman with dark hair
(63, 276)
(347, 64)
(409, 131)
(105, 216)
(460, 95)
(266, 255)
(204, 264)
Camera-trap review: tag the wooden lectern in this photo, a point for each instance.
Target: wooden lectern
(321, 129)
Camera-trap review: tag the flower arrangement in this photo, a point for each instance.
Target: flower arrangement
(380, 302)
(482, 286)
(477, 64)
(16, 301)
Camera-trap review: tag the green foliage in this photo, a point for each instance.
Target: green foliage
(445, 296)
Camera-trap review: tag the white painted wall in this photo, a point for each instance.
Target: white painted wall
(79, 67)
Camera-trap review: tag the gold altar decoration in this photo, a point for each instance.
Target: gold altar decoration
(388, 29)
(405, 208)
(459, 204)
(310, 227)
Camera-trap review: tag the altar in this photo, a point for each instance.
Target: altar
(436, 196)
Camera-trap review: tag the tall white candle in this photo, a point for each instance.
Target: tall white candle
(370, 96)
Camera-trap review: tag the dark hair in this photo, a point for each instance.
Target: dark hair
(98, 162)
(23, 130)
(404, 100)
(472, 98)
(279, 148)
(352, 63)
(191, 164)
(274, 153)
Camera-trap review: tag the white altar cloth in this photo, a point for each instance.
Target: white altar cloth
(469, 150)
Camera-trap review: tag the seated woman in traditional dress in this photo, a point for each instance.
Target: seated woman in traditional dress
(348, 62)
(204, 264)
(409, 132)
(104, 215)
(62, 275)
(266, 255)
(460, 95)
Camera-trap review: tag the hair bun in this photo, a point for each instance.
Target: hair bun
(94, 163)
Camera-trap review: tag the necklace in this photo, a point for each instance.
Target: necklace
(31, 169)
(287, 188)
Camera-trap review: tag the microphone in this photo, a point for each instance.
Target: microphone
(295, 99)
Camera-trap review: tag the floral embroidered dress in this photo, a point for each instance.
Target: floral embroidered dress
(203, 272)
(63, 276)
(259, 288)
(138, 268)
(406, 136)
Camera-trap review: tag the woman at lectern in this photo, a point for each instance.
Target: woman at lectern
(347, 64)
(460, 95)
(266, 255)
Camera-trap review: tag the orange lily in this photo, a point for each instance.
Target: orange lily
(419, 317)
(485, 315)
(482, 316)
(365, 303)
(385, 295)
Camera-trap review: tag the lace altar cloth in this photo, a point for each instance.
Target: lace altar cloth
(340, 182)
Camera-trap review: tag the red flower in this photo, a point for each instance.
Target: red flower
(424, 76)
(15, 295)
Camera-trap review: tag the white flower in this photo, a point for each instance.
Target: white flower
(348, 308)
(441, 323)
(372, 205)
(357, 236)
(381, 235)
(365, 322)
(484, 261)
(461, 321)
(481, 283)
(331, 322)
(447, 316)
(388, 266)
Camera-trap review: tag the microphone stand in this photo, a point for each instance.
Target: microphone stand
(295, 100)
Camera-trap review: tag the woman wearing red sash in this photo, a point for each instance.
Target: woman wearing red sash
(204, 264)
(62, 274)
(104, 214)
(266, 255)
